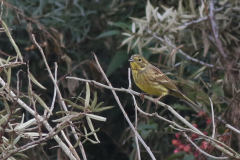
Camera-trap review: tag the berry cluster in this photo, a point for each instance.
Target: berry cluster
(181, 144)
(186, 146)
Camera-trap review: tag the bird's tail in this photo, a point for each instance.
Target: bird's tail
(197, 108)
(194, 106)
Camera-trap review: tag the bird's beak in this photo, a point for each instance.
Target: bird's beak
(131, 59)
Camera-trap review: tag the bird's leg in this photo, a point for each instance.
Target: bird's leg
(157, 99)
(142, 96)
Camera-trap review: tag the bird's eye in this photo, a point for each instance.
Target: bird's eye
(140, 60)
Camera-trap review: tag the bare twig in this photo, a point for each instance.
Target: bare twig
(183, 53)
(60, 96)
(136, 119)
(33, 103)
(54, 93)
(123, 111)
(10, 64)
(200, 150)
(45, 123)
(213, 142)
(232, 128)
(26, 146)
(1, 10)
(70, 145)
(213, 122)
(215, 29)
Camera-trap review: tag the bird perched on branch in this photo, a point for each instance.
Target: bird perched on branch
(151, 80)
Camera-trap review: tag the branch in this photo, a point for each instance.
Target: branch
(45, 123)
(212, 141)
(136, 108)
(183, 53)
(200, 150)
(123, 111)
(60, 96)
(215, 29)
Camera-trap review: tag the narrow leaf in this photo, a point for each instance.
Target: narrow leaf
(74, 104)
(33, 79)
(87, 99)
(41, 102)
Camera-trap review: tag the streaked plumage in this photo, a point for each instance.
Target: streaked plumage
(151, 80)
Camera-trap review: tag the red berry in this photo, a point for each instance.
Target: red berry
(205, 133)
(181, 147)
(202, 114)
(204, 145)
(194, 136)
(195, 125)
(209, 121)
(177, 135)
(175, 142)
(187, 148)
(176, 151)
(196, 154)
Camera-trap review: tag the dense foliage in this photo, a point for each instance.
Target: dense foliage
(194, 42)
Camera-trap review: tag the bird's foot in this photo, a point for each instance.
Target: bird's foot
(142, 96)
(157, 99)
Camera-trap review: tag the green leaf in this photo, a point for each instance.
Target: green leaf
(99, 105)
(11, 40)
(67, 112)
(188, 157)
(180, 107)
(87, 99)
(147, 126)
(108, 34)
(96, 117)
(145, 133)
(122, 25)
(33, 79)
(94, 102)
(102, 109)
(41, 102)
(74, 104)
(178, 155)
(119, 58)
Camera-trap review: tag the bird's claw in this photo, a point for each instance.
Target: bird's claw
(142, 96)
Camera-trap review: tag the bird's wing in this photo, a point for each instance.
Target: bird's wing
(162, 79)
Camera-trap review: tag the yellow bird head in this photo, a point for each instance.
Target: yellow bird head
(138, 62)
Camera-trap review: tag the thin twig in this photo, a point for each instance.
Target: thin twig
(136, 119)
(200, 150)
(123, 111)
(183, 53)
(45, 123)
(11, 64)
(60, 96)
(213, 142)
(232, 128)
(70, 145)
(33, 102)
(55, 90)
(1, 10)
(215, 29)
(213, 122)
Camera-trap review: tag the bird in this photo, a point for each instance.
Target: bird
(153, 81)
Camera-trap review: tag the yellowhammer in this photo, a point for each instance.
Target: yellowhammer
(151, 80)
